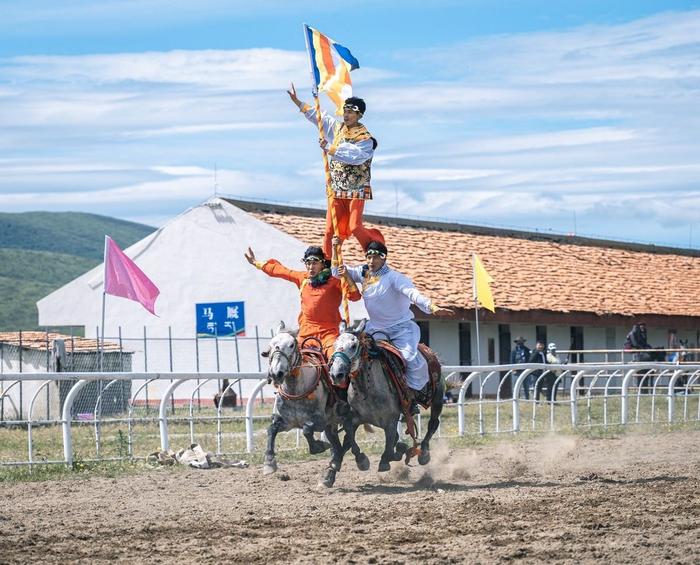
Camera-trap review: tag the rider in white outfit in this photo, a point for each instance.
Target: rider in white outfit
(388, 296)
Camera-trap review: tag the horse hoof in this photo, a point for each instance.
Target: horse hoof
(329, 480)
(384, 467)
(397, 456)
(319, 447)
(424, 457)
(269, 468)
(362, 462)
(401, 447)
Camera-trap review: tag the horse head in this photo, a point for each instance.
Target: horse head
(346, 356)
(282, 354)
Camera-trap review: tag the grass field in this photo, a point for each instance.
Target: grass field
(118, 443)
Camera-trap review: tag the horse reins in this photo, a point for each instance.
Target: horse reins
(295, 371)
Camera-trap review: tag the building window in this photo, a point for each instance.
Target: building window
(424, 332)
(541, 334)
(492, 350)
(465, 344)
(576, 344)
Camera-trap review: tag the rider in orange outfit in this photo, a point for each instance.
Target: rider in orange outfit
(321, 295)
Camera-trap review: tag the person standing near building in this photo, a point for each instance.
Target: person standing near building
(320, 292)
(521, 354)
(636, 339)
(350, 148)
(538, 356)
(552, 376)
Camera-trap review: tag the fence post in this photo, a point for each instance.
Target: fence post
(460, 401)
(573, 395)
(623, 395)
(516, 397)
(162, 418)
(671, 387)
(250, 443)
(66, 422)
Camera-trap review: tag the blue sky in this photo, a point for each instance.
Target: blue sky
(562, 116)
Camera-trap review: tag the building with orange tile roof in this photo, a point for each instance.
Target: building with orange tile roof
(579, 292)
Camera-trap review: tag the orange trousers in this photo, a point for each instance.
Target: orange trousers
(348, 214)
(327, 338)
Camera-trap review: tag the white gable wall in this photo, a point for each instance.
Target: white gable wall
(195, 258)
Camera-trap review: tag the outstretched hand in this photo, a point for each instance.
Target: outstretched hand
(439, 311)
(250, 256)
(293, 95)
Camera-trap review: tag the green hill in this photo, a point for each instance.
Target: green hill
(42, 251)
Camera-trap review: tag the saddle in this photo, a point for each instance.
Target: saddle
(395, 364)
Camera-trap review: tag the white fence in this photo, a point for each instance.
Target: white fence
(575, 397)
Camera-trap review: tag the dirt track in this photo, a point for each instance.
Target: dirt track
(633, 499)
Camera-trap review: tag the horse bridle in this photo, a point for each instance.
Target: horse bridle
(349, 360)
(294, 360)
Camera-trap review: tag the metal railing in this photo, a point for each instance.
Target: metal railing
(577, 397)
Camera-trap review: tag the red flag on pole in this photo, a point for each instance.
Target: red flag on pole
(124, 278)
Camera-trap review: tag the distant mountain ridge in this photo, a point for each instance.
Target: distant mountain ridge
(42, 251)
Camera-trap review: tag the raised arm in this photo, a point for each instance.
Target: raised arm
(309, 112)
(406, 287)
(274, 268)
(353, 274)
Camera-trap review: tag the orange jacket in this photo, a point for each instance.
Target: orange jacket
(319, 316)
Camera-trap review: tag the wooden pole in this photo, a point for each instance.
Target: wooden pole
(326, 167)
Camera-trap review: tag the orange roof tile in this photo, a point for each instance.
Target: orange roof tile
(530, 271)
(37, 340)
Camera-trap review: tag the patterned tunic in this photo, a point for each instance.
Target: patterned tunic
(351, 151)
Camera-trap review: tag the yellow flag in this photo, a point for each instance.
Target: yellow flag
(482, 290)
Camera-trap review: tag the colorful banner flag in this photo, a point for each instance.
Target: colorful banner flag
(482, 281)
(331, 64)
(123, 278)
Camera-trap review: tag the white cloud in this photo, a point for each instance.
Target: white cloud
(516, 129)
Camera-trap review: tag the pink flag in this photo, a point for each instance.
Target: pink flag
(124, 278)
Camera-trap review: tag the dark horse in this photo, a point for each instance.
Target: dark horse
(374, 399)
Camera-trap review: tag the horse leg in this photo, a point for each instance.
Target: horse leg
(361, 460)
(315, 445)
(328, 480)
(277, 425)
(433, 423)
(390, 436)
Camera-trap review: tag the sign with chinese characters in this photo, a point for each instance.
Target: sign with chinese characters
(220, 319)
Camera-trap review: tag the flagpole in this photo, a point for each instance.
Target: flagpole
(329, 191)
(476, 312)
(104, 296)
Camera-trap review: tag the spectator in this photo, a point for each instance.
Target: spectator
(673, 344)
(521, 354)
(538, 356)
(551, 378)
(637, 339)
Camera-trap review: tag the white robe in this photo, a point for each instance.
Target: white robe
(388, 298)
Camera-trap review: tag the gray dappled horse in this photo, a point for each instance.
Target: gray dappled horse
(302, 398)
(374, 400)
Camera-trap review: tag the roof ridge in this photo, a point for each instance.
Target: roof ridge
(454, 226)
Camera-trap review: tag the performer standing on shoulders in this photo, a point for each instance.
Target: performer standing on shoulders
(350, 148)
(320, 294)
(388, 296)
